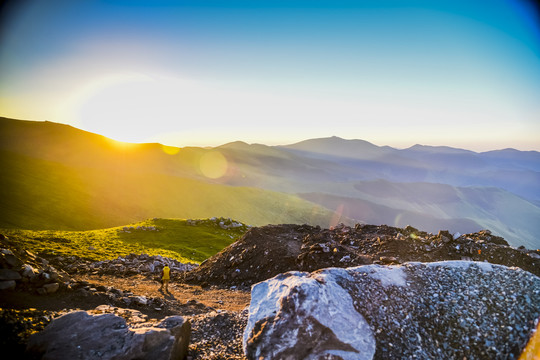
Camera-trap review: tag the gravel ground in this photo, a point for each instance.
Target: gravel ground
(457, 318)
(218, 335)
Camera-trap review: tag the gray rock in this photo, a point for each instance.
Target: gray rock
(449, 309)
(80, 335)
(7, 284)
(28, 271)
(51, 288)
(41, 291)
(8, 258)
(139, 300)
(52, 274)
(298, 316)
(7, 274)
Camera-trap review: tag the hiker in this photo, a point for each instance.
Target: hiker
(165, 277)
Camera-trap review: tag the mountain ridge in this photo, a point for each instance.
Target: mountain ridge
(268, 180)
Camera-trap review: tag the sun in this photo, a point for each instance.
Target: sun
(129, 107)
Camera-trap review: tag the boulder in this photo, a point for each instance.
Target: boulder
(7, 284)
(441, 310)
(130, 264)
(139, 300)
(41, 291)
(297, 316)
(7, 274)
(51, 288)
(82, 335)
(9, 260)
(28, 271)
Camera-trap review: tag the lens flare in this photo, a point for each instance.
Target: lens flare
(213, 165)
(338, 214)
(398, 220)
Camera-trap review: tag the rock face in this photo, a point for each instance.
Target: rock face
(440, 310)
(82, 335)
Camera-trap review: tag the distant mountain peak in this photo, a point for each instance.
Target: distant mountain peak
(332, 140)
(235, 144)
(336, 146)
(437, 149)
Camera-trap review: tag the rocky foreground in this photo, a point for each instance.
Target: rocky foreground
(274, 249)
(471, 309)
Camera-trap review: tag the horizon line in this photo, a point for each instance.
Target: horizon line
(278, 143)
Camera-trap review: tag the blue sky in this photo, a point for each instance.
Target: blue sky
(458, 73)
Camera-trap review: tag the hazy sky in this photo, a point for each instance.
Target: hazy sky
(392, 72)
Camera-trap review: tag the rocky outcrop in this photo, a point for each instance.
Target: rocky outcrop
(267, 251)
(440, 310)
(224, 223)
(111, 333)
(23, 269)
(131, 264)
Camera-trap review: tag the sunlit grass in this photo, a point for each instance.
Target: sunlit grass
(172, 238)
(39, 194)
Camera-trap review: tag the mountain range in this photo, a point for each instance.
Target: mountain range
(55, 176)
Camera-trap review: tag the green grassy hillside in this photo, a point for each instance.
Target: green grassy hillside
(60, 178)
(174, 238)
(39, 194)
(81, 149)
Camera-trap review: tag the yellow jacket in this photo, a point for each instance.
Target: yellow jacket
(166, 273)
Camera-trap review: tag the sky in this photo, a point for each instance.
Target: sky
(204, 73)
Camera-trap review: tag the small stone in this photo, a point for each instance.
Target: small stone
(51, 288)
(41, 291)
(28, 271)
(10, 259)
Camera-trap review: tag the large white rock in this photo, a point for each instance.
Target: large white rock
(298, 316)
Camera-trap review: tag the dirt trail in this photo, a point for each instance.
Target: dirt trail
(178, 299)
(225, 299)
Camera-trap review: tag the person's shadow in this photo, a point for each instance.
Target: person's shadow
(167, 294)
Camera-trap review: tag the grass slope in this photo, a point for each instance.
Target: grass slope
(39, 194)
(173, 238)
